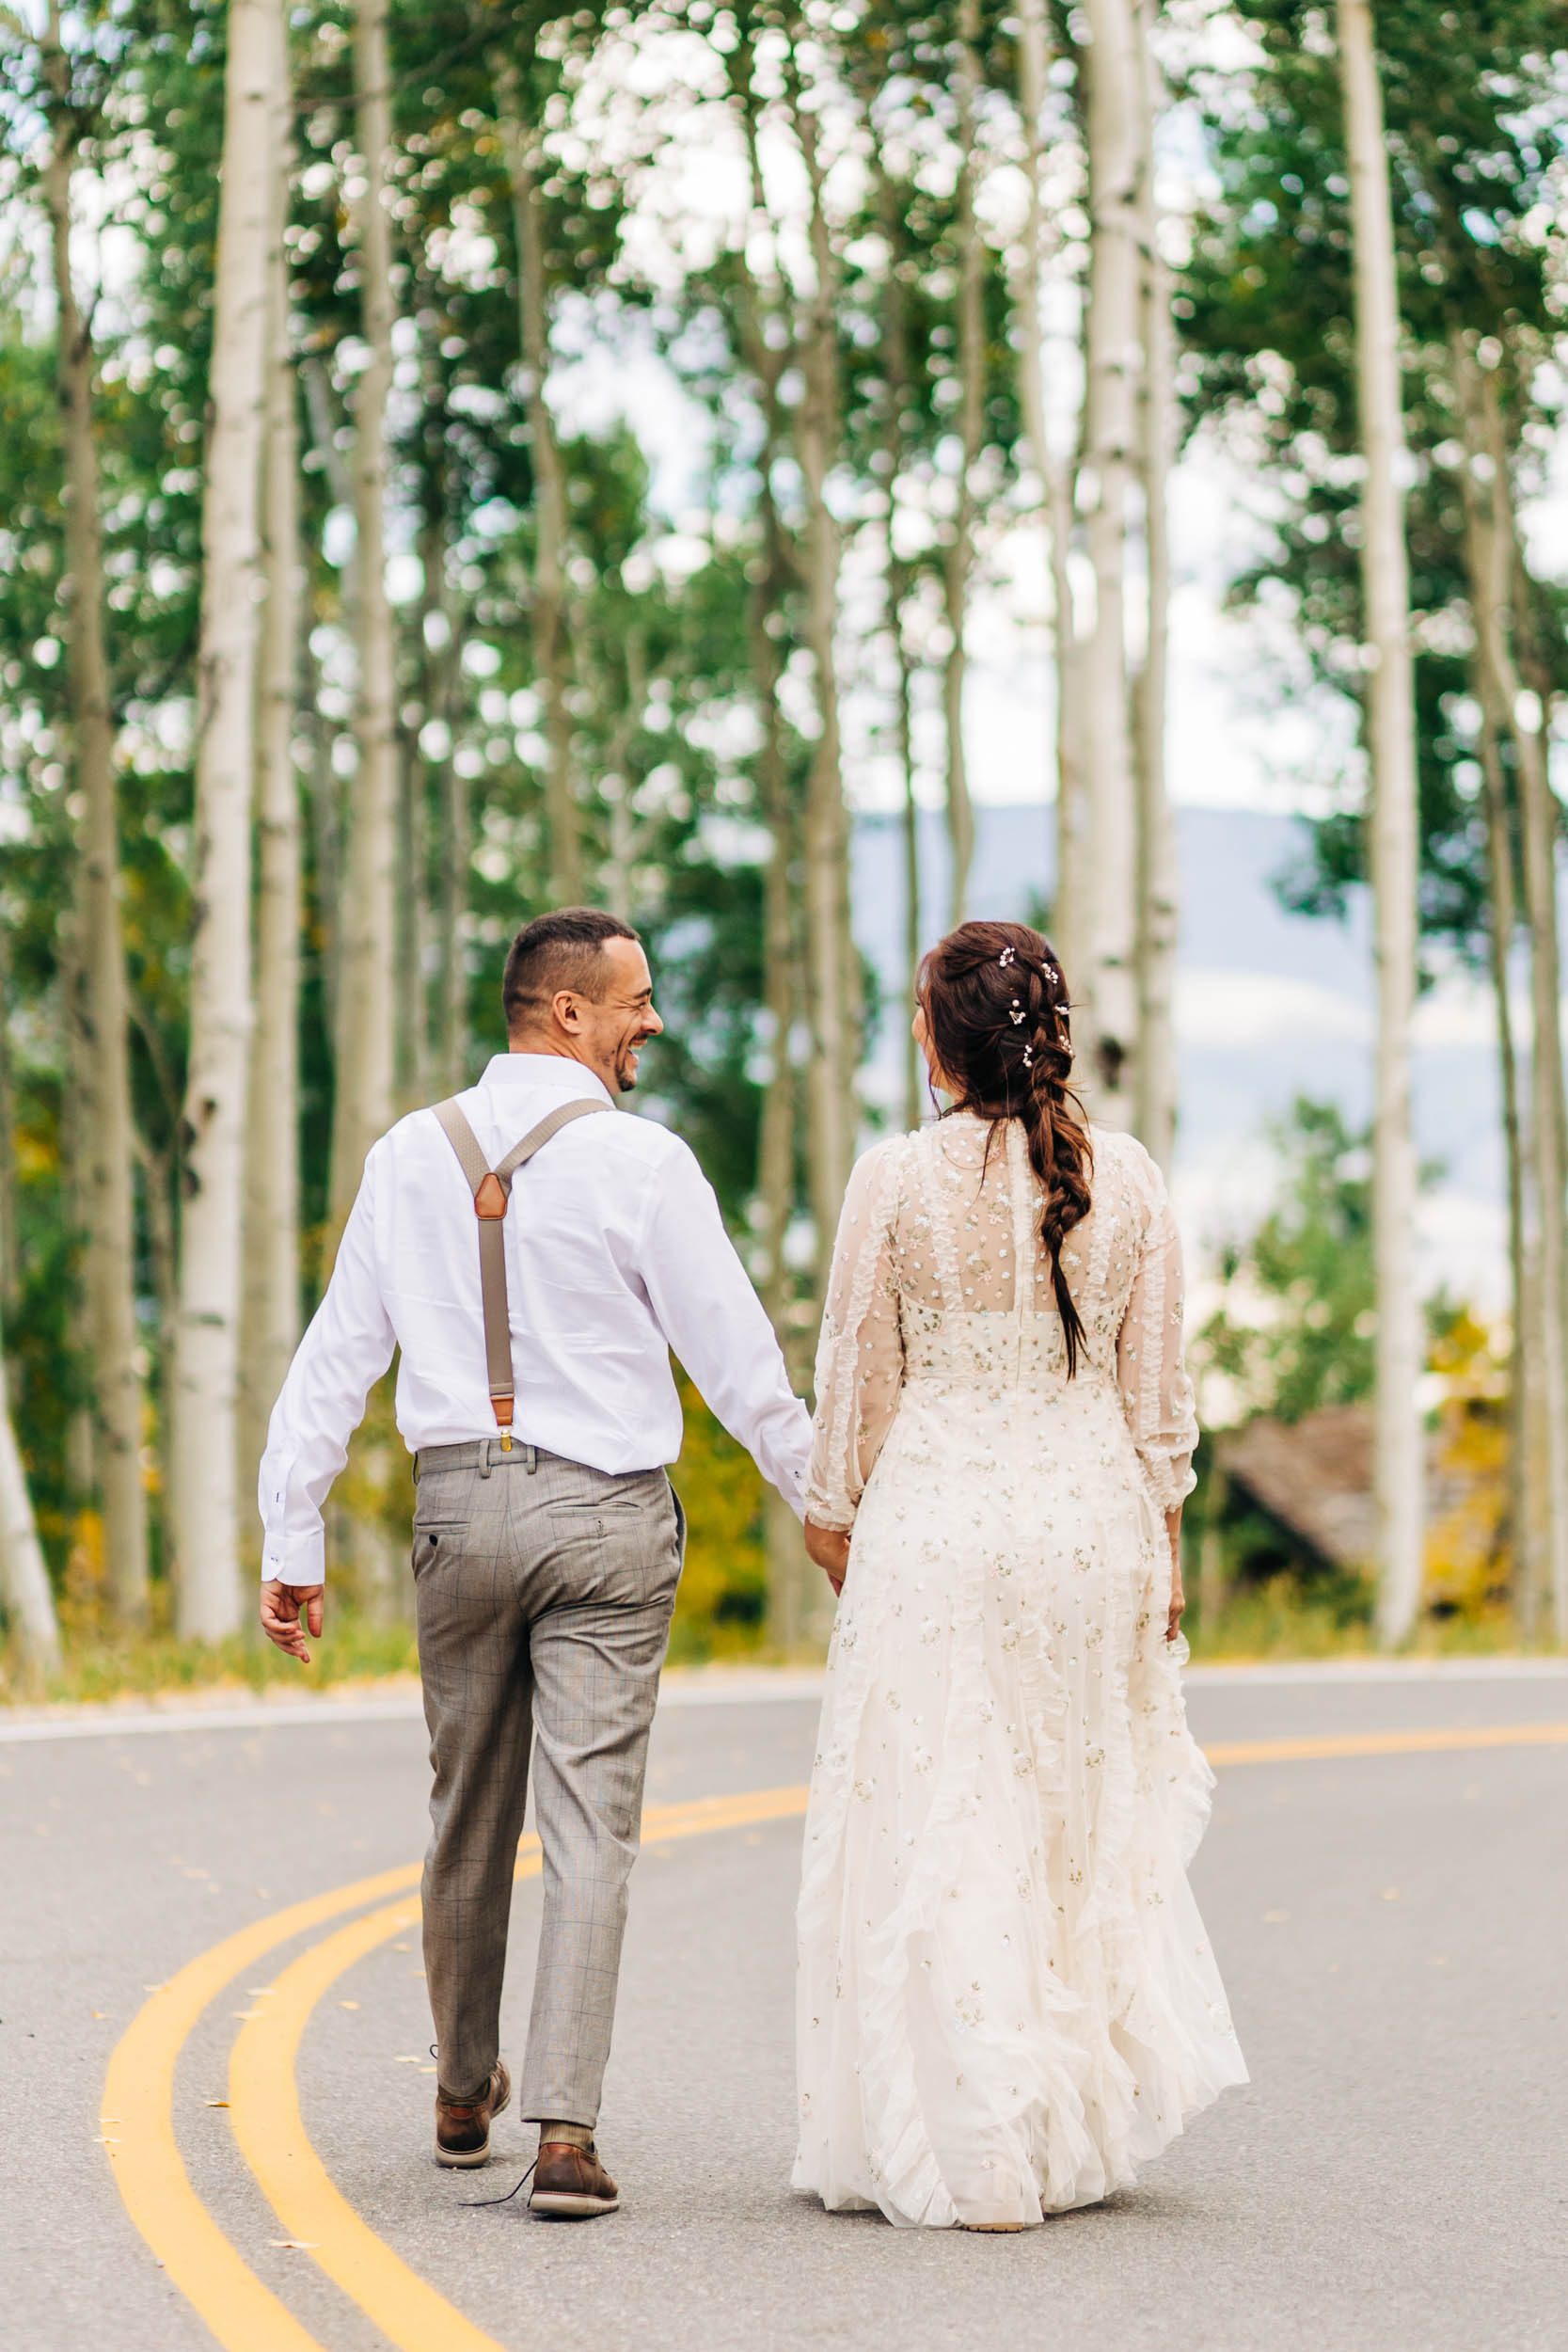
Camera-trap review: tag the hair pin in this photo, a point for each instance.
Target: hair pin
(1015, 1013)
(1009, 955)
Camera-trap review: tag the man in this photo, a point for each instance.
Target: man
(547, 1540)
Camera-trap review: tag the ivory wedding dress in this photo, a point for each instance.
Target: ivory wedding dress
(1007, 1999)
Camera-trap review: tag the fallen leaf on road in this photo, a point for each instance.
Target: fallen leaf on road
(255, 1991)
(244, 2013)
(348, 2005)
(411, 2059)
(105, 2143)
(1273, 1918)
(293, 2245)
(154, 1988)
(401, 1947)
(215, 2102)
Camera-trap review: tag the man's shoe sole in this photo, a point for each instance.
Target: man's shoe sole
(558, 2205)
(467, 2159)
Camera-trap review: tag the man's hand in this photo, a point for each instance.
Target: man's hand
(288, 1612)
(829, 1547)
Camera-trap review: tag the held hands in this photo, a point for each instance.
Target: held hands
(288, 1612)
(829, 1547)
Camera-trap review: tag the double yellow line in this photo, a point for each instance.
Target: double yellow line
(242, 2314)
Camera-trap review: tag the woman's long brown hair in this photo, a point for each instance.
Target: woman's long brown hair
(996, 1010)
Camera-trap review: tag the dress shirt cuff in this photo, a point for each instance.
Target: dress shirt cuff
(300, 1561)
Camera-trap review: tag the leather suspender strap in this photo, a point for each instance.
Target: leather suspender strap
(492, 1190)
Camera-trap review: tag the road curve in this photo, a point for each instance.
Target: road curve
(1382, 1880)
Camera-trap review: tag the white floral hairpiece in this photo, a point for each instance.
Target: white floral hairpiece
(1009, 955)
(1015, 1012)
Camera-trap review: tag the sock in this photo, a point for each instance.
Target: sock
(574, 2134)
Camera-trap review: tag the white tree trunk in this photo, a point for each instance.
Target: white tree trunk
(551, 651)
(971, 394)
(1538, 828)
(10, 1259)
(25, 1589)
(832, 968)
(1107, 1032)
(270, 1318)
(207, 1367)
(1069, 922)
(1159, 877)
(363, 1087)
(1391, 747)
(99, 1004)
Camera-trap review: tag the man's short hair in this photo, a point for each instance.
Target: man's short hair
(557, 951)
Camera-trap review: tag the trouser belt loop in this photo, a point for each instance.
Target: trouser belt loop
(530, 1455)
(484, 1457)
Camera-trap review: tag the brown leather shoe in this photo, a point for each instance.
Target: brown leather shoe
(462, 2126)
(570, 2183)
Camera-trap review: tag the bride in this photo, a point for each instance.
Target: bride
(1007, 1999)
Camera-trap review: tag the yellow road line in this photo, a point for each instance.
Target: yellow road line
(264, 2103)
(139, 2095)
(244, 2314)
(1387, 1743)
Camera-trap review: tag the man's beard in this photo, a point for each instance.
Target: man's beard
(625, 1068)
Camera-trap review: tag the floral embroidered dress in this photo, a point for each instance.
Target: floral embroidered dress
(1007, 1999)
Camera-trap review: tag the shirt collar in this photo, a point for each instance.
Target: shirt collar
(553, 1074)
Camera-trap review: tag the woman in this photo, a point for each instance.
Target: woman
(1006, 1998)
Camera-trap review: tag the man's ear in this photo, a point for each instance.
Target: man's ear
(566, 1010)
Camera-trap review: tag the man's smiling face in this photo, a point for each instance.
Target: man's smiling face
(616, 1022)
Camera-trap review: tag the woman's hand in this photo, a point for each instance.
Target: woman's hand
(829, 1547)
(1177, 1594)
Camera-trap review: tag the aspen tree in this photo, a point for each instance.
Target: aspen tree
(207, 1340)
(1157, 879)
(97, 997)
(551, 651)
(25, 1589)
(1514, 716)
(270, 1319)
(958, 564)
(1107, 984)
(1068, 921)
(1399, 1468)
(363, 1078)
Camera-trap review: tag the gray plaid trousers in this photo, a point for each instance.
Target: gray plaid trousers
(543, 1599)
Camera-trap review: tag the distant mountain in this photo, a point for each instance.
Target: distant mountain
(1269, 1006)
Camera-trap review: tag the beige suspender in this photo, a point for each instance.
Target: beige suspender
(492, 1189)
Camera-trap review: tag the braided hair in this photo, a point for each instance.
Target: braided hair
(996, 1012)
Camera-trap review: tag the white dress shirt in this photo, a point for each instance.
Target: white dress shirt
(616, 1253)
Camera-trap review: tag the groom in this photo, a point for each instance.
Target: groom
(535, 1319)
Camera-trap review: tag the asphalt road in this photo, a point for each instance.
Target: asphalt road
(1391, 1926)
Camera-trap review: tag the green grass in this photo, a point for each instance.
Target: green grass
(102, 1666)
(1268, 1621)
(1275, 1621)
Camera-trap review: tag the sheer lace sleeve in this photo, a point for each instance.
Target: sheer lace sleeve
(1156, 1394)
(860, 1355)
